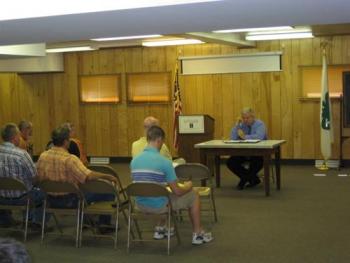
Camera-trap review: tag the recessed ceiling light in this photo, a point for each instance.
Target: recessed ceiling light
(41, 8)
(238, 30)
(125, 37)
(290, 35)
(171, 42)
(69, 49)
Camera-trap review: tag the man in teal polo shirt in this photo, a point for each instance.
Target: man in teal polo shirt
(150, 166)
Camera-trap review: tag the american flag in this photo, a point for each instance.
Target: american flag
(177, 106)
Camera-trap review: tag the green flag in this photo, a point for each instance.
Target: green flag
(325, 114)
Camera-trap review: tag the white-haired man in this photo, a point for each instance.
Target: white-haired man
(247, 167)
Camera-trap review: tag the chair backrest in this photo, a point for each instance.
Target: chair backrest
(106, 169)
(147, 190)
(192, 171)
(12, 184)
(58, 187)
(103, 169)
(98, 186)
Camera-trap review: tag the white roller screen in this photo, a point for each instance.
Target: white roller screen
(255, 62)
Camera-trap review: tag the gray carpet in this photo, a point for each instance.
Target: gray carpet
(307, 221)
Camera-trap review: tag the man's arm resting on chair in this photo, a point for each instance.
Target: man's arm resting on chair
(96, 175)
(180, 189)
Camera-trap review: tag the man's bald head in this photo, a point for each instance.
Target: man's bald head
(149, 122)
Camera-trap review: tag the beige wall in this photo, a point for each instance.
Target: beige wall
(108, 130)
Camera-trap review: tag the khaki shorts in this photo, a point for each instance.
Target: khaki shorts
(178, 202)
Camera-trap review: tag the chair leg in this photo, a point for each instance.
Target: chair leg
(176, 229)
(26, 222)
(81, 227)
(129, 228)
(126, 220)
(169, 226)
(137, 228)
(116, 228)
(77, 236)
(43, 222)
(214, 207)
(57, 223)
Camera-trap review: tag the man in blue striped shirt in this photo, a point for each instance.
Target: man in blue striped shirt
(150, 166)
(16, 163)
(247, 167)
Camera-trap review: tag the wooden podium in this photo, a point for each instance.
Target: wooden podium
(193, 129)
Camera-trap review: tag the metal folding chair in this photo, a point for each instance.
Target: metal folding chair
(150, 190)
(106, 169)
(12, 184)
(197, 173)
(100, 186)
(52, 187)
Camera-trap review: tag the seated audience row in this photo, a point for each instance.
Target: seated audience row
(64, 161)
(54, 164)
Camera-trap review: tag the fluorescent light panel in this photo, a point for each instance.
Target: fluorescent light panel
(239, 30)
(69, 49)
(125, 37)
(41, 8)
(279, 36)
(171, 42)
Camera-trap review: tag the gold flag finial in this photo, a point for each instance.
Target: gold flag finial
(324, 166)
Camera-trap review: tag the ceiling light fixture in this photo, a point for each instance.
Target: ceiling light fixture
(69, 49)
(125, 37)
(40, 8)
(239, 30)
(273, 36)
(171, 42)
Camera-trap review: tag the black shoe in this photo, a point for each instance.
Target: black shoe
(253, 183)
(241, 184)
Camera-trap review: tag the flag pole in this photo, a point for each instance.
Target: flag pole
(325, 116)
(324, 166)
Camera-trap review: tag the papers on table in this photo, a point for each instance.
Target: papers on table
(242, 141)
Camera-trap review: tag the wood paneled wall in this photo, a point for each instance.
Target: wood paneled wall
(108, 130)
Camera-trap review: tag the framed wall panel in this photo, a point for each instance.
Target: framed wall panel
(311, 80)
(99, 88)
(149, 87)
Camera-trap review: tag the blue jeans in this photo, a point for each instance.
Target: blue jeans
(35, 212)
(71, 201)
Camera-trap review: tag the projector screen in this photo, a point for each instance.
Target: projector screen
(238, 63)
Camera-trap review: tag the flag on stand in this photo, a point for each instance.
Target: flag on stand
(177, 106)
(325, 114)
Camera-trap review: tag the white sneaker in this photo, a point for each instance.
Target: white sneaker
(199, 239)
(159, 232)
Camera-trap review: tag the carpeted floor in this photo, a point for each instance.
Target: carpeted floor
(307, 221)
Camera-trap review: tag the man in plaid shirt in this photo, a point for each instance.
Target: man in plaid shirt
(16, 163)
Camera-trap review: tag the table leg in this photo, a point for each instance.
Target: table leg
(217, 171)
(203, 158)
(278, 167)
(267, 173)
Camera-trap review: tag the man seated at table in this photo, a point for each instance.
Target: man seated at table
(247, 167)
(57, 164)
(150, 166)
